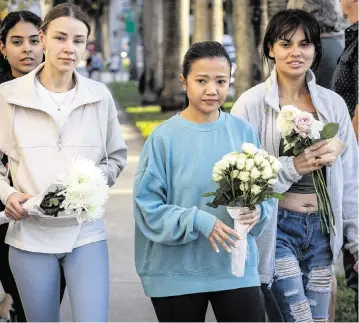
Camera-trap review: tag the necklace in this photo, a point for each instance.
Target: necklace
(73, 83)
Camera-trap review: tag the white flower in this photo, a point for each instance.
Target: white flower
(285, 120)
(255, 173)
(262, 152)
(249, 163)
(244, 176)
(272, 159)
(85, 190)
(255, 189)
(217, 170)
(272, 181)
(241, 162)
(276, 166)
(249, 148)
(315, 129)
(267, 173)
(258, 159)
(223, 164)
(235, 173)
(265, 164)
(231, 160)
(289, 112)
(216, 177)
(243, 186)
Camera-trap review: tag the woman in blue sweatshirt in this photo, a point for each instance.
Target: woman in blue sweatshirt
(178, 236)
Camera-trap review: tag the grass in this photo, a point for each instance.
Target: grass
(345, 309)
(146, 118)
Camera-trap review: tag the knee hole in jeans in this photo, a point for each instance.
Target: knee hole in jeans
(301, 311)
(320, 320)
(291, 293)
(320, 280)
(287, 267)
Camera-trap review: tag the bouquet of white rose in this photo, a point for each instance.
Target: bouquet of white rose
(245, 179)
(300, 130)
(77, 196)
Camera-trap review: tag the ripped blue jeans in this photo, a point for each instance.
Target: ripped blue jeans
(303, 275)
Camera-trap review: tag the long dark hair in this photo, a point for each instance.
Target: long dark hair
(204, 49)
(288, 21)
(8, 23)
(66, 10)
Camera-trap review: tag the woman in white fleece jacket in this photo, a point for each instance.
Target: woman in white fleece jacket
(294, 254)
(48, 117)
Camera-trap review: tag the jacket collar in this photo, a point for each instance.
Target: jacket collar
(25, 94)
(272, 97)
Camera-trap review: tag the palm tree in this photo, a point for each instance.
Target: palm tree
(176, 42)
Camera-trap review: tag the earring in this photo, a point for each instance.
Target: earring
(5, 57)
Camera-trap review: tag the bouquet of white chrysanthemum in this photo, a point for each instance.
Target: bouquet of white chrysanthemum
(300, 130)
(76, 197)
(245, 179)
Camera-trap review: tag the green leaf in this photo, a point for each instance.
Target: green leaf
(276, 196)
(209, 194)
(329, 131)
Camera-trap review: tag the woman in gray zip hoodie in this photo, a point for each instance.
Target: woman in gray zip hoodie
(294, 255)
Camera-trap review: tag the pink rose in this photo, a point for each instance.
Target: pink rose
(303, 122)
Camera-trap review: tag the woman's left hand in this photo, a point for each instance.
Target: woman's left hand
(336, 147)
(251, 218)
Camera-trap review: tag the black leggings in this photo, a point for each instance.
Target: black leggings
(236, 305)
(7, 279)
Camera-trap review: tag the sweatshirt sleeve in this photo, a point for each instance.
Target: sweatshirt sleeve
(350, 178)
(159, 221)
(115, 146)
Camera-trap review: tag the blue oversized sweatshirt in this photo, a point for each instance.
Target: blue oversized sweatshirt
(172, 252)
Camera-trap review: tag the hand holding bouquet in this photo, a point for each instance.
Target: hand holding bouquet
(245, 179)
(300, 130)
(76, 197)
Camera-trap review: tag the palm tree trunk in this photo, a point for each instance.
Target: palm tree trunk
(216, 20)
(244, 44)
(175, 44)
(45, 6)
(153, 50)
(201, 24)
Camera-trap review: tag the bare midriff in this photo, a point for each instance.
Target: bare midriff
(300, 203)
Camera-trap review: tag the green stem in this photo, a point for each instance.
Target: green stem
(321, 206)
(328, 204)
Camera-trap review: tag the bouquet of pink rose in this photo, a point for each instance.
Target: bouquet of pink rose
(300, 130)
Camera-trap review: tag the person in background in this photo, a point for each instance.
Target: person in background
(21, 52)
(345, 83)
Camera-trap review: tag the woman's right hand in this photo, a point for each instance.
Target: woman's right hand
(13, 208)
(309, 160)
(220, 234)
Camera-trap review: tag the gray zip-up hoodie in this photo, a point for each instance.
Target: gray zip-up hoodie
(260, 107)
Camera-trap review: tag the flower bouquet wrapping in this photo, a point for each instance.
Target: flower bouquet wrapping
(244, 180)
(300, 130)
(76, 197)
